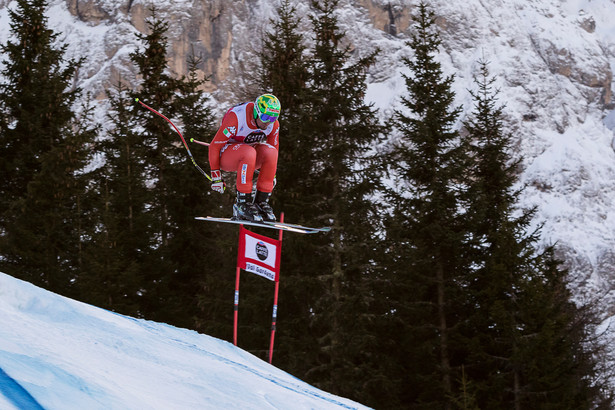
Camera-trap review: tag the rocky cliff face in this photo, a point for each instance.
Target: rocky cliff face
(220, 32)
(553, 61)
(202, 28)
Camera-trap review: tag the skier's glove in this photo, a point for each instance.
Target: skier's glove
(217, 184)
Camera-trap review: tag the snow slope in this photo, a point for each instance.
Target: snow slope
(57, 353)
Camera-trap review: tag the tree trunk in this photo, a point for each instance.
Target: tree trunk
(444, 355)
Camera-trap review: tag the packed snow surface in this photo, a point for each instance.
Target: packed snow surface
(57, 353)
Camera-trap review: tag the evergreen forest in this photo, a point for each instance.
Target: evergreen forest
(431, 290)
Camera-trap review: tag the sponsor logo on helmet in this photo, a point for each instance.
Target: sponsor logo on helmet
(268, 103)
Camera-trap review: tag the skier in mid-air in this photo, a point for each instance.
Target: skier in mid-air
(248, 140)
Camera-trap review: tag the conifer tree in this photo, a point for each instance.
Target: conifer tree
(114, 278)
(282, 71)
(161, 153)
(334, 132)
(177, 192)
(323, 151)
(502, 250)
(151, 254)
(530, 345)
(45, 148)
(285, 74)
(425, 231)
(35, 80)
(192, 242)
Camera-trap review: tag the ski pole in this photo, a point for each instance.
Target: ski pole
(180, 135)
(199, 142)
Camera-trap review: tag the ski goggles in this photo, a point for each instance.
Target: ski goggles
(267, 117)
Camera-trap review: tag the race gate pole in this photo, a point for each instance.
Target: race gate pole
(275, 301)
(236, 312)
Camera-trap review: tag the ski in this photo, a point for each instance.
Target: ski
(321, 229)
(271, 225)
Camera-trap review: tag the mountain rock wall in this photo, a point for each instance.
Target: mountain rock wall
(209, 29)
(201, 28)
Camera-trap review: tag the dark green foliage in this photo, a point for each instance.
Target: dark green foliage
(503, 254)
(529, 344)
(114, 277)
(44, 148)
(324, 178)
(199, 251)
(36, 98)
(168, 202)
(426, 227)
(343, 130)
(186, 258)
(151, 255)
(285, 74)
(484, 320)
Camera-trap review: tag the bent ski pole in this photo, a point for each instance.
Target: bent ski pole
(180, 135)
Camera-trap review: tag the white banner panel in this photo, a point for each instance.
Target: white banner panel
(261, 251)
(259, 270)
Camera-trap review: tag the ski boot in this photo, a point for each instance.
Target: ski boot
(245, 210)
(261, 200)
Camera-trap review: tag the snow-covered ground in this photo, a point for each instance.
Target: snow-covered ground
(57, 353)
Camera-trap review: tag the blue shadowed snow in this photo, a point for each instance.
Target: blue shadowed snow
(56, 353)
(15, 394)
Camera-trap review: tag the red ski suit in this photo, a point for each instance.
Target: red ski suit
(241, 146)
